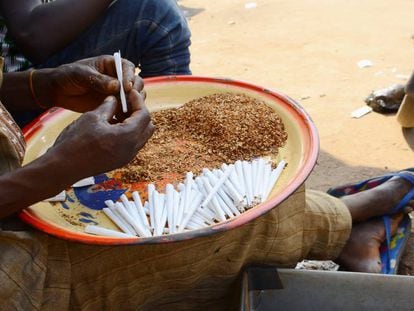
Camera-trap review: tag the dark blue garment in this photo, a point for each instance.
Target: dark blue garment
(153, 34)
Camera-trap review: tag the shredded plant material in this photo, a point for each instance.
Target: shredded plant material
(205, 132)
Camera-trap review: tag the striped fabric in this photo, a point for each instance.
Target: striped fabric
(12, 144)
(13, 59)
(197, 274)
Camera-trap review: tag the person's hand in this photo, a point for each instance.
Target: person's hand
(83, 85)
(94, 143)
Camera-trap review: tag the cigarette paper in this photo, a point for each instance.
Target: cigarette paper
(61, 197)
(188, 187)
(131, 211)
(151, 189)
(267, 171)
(97, 230)
(84, 182)
(118, 67)
(169, 204)
(217, 186)
(274, 177)
(117, 220)
(247, 172)
(140, 209)
(211, 197)
(240, 177)
(193, 207)
(137, 227)
(258, 180)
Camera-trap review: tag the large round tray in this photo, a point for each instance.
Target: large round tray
(66, 220)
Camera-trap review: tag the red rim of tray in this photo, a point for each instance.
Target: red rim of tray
(310, 154)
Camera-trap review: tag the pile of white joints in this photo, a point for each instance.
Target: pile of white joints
(214, 196)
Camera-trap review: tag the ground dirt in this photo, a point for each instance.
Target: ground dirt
(309, 49)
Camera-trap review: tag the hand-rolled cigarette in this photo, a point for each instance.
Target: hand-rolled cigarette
(141, 211)
(190, 212)
(137, 226)
(60, 197)
(224, 198)
(217, 186)
(150, 191)
(146, 208)
(164, 214)
(176, 202)
(180, 211)
(207, 219)
(267, 171)
(240, 177)
(232, 192)
(109, 203)
(118, 67)
(188, 187)
(211, 197)
(247, 172)
(257, 186)
(169, 204)
(97, 230)
(84, 182)
(274, 177)
(117, 220)
(131, 211)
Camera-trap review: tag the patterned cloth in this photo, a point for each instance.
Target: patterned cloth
(12, 144)
(41, 272)
(14, 60)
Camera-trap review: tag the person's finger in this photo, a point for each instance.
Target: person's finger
(138, 84)
(145, 135)
(91, 78)
(128, 72)
(107, 109)
(140, 116)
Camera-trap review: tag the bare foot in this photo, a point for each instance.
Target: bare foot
(361, 253)
(380, 200)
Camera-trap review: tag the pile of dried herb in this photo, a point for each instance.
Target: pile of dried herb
(206, 132)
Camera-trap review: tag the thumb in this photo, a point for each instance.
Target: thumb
(107, 109)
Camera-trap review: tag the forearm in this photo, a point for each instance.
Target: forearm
(40, 30)
(16, 95)
(41, 179)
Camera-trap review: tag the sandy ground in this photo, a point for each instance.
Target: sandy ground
(309, 49)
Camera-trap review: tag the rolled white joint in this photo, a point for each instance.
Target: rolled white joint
(176, 205)
(211, 197)
(274, 177)
(247, 171)
(141, 210)
(188, 186)
(150, 191)
(60, 197)
(84, 182)
(97, 230)
(163, 219)
(237, 198)
(169, 203)
(128, 207)
(118, 67)
(193, 207)
(131, 221)
(267, 171)
(258, 181)
(117, 220)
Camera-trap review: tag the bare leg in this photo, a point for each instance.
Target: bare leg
(361, 253)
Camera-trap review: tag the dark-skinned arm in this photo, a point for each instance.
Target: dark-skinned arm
(91, 145)
(80, 86)
(41, 30)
